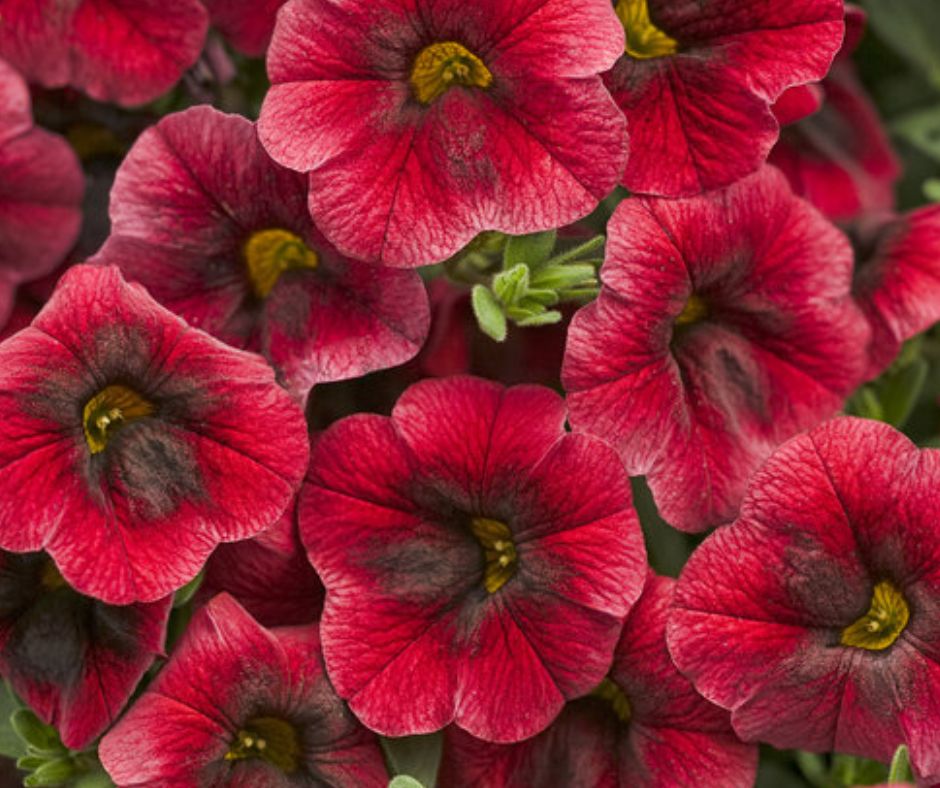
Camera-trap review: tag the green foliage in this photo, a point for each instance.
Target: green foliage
(910, 28)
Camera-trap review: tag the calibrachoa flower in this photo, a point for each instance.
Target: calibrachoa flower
(125, 51)
(132, 444)
(697, 80)
(897, 279)
(239, 705)
(41, 187)
(643, 726)
(269, 575)
(423, 124)
(247, 24)
(478, 560)
(814, 617)
(220, 234)
(840, 158)
(73, 659)
(725, 326)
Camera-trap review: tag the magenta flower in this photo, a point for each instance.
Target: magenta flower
(239, 705)
(813, 617)
(131, 444)
(478, 560)
(236, 254)
(725, 326)
(422, 125)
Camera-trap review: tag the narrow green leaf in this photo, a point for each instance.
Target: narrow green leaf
(531, 250)
(29, 762)
(900, 391)
(188, 591)
(563, 277)
(543, 297)
(511, 286)
(489, 313)
(39, 736)
(544, 319)
(11, 744)
(57, 772)
(910, 28)
(417, 757)
(578, 252)
(900, 771)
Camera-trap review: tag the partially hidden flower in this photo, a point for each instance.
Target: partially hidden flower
(697, 81)
(814, 617)
(132, 444)
(478, 561)
(644, 725)
(124, 51)
(241, 705)
(220, 234)
(725, 326)
(840, 158)
(74, 660)
(268, 575)
(422, 125)
(41, 186)
(246, 24)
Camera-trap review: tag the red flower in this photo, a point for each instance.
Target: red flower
(643, 726)
(131, 444)
(73, 659)
(269, 575)
(220, 234)
(725, 326)
(897, 279)
(478, 560)
(697, 81)
(247, 24)
(239, 705)
(813, 617)
(41, 185)
(423, 125)
(840, 158)
(126, 51)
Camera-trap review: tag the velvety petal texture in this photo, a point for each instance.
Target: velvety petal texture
(247, 24)
(239, 705)
(132, 444)
(41, 187)
(814, 616)
(697, 81)
(423, 123)
(725, 325)
(124, 51)
(645, 726)
(478, 560)
(74, 660)
(220, 234)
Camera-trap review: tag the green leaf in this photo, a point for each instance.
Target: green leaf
(531, 250)
(404, 781)
(39, 736)
(57, 772)
(865, 403)
(11, 744)
(932, 189)
(543, 319)
(543, 297)
(29, 762)
(910, 28)
(900, 771)
(900, 390)
(511, 286)
(922, 130)
(564, 277)
(188, 591)
(97, 779)
(489, 313)
(417, 757)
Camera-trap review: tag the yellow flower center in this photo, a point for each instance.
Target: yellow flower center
(609, 691)
(50, 577)
(110, 409)
(444, 65)
(499, 552)
(694, 311)
(269, 253)
(645, 41)
(883, 623)
(268, 739)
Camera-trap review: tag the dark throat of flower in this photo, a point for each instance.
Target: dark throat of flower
(645, 41)
(269, 253)
(883, 623)
(268, 739)
(444, 65)
(499, 552)
(694, 311)
(615, 697)
(110, 409)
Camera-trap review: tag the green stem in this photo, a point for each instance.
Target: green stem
(579, 251)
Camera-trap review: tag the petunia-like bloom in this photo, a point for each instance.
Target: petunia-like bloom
(269, 575)
(643, 726)
(247, 24)
(897, 279)
(697, 81)
(41, 186)
(815, 617)
(220, 234)
(839, 158)
(125, 51)
(132, 444)
(725, 325)
(422, 124)
(478, 561)
(241, 706)
(73, 659)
